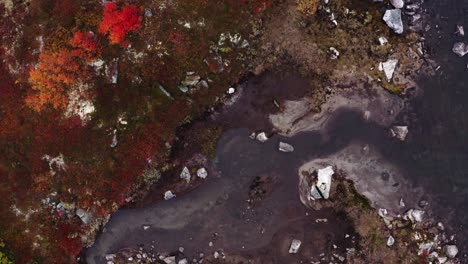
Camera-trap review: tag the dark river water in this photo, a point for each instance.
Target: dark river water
(435, 156)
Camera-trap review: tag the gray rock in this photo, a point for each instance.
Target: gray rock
(185, 175)
(399, 132)
(262, 137)
(460, 49)
(84, 216)
(285, 147)
(295, 245)
(397, 3)
(390, 241)
(393, 19)
(334, 53)
(451, 251)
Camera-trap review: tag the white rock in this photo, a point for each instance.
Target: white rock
(183, 261)
(169, 195)
(231, 90)
(402, 203)
(295, 245)
(393, 19)
(383, 41)
(262, 137)
(460, 30)
(321, 189)
(442, 260)
(388, 68)
(110, 256)
(451, 251)
(414, 215)
(216, 254)
(399, 132)
(460, 49)
(285, 147)
(202, 173)
(390, 241)
(185, 175)
(397, 3)
(334, 53)
(146, 227)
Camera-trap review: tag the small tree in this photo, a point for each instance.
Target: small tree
(116, 24)
(54, 74)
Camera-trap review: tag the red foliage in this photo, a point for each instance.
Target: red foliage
(65, 10)
(118, 23)
(85, 46)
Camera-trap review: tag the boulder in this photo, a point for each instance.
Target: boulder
(185, 175)
(460, 48)
(285, 147)
(169, 195)
(399, 132)
(321, 189)
(388, 68)
(202, 173)
(393, 19)
(451, 251)
(262, 137)
(295, 245)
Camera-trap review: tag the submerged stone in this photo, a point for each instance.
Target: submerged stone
(393, 19)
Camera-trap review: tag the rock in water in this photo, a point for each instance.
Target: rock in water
(185, 175)
(393, 19)
(399, 132)
(202, 173)
(389, 67)
(397, 3)
(460, 49)
(262, 137)
(451, 251)
(295, 245)
(285, 147)
(168, 195)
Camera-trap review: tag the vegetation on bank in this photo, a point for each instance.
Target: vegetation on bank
(91, 96)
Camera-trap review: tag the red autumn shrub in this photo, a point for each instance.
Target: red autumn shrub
(116, 24)
(85, 46)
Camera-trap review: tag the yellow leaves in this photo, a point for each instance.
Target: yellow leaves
(308, 7)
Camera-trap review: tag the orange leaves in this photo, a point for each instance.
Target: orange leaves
(55, 72)
(118, 23)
